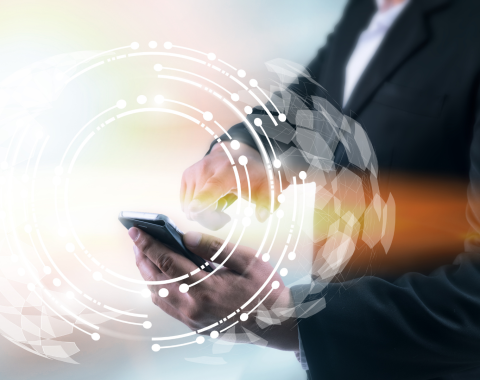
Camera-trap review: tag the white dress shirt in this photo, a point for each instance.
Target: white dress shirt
(367, 45)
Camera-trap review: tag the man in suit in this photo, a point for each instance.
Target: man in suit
(409, 72)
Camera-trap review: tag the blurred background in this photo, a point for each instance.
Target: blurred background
(245, 34)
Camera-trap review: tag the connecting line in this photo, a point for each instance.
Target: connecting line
(175, 337)
(95, 56)
(81, 319)
(143, 282)
(179, 345)
(223, 129)
(107, 316)
(208, 80)
(225, 63)
(121, 288)
(84, 71)
(301, 221)
(274, 237)
(239, 188)
(295, 198)
(81, 262)
(280, 179)
(263, 299)
(226, 328)
(264, 237)
(224, 261)
(125, 312)
(248, 183)
(270, 100)
(66, 320)
(184, 104)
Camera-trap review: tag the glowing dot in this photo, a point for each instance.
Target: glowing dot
(242, 160)
(14, 258)
(70, 295)
(21, 272)
(281, 198)
(47, 270)
(282, 117)
(97, 276)
(70, 247)
(147, 325)
(265, 257)
(158, 67)
(28, 228)
(145, 293)
(4, 165)
(241, 73)
(167, 45)
(200, 340)
(134, 45)
(214, 334)
(244, 317)
(275, 284)
(58, 170)
(207, 116)
(25, 178)
(235, 97)
(163, 292)
(246, 221)
(302, 175)
(253, 83)
(257, 121)
(248, 211)
(235, 144)
(183, 288)
(283, 272)
(280, 214)
(277, 163)
(211, 56)
(62, 231)
(57, 180)
(121, 104)
(142, 99)
(292, 255)
(96, 336)
(57, 282)
(31, 287)
(156, 348)
(159, 99)
(248, 110)
(152, 44)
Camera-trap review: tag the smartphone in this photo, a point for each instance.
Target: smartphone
(164, 230)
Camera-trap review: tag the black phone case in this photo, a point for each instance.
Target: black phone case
(165, 231)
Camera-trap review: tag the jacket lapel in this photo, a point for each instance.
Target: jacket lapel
(346, 37)
(406, 36)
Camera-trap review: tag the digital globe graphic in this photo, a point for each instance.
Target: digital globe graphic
(61, 284)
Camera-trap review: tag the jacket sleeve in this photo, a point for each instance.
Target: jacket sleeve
(416, 327)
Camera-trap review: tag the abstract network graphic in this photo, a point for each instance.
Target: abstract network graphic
(48, 282)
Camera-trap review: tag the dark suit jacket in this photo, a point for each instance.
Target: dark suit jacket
(419, 101)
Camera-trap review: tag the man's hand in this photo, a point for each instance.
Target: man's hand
(206, 183)
(219, 294)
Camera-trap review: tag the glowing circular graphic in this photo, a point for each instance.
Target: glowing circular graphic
(36, 250)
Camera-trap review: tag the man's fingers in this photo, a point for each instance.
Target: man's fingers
(167, 261)
(214, 249)
(214, 189)
(262, 198)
